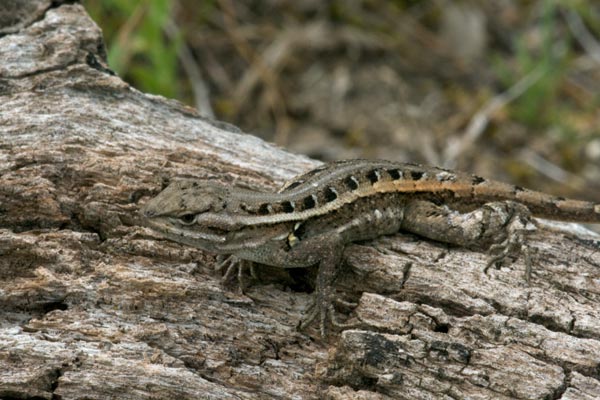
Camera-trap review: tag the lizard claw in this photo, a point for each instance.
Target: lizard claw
(518, 224)
(323, 309)
(234, 265)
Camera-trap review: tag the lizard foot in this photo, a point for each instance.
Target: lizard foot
(233, 265)
(323, 309)
(509, 237)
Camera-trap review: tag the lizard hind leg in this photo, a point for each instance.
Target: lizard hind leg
(500, 225)
(508, 232)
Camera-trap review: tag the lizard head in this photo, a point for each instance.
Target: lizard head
(175, 212)
(185, 199)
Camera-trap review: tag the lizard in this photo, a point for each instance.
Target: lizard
(311, 219)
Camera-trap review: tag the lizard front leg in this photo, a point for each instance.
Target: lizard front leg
(501, 225)
(327, 251)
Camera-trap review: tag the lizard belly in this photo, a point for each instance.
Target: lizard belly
(362, 220)
(300, 244)
(310, 240)
(314, 239)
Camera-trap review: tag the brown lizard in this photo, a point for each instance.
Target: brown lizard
(310, 220)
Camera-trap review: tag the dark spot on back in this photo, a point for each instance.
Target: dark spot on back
(288, 207)
(310, 202)
(478, 180)
(264, 209)
(416, 175)
(330, 194)
(351, 182)
(519, 189)
(560, 198)
(300, 230)
(373, 175)
(394, 173)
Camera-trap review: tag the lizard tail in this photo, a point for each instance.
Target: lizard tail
(542, 205)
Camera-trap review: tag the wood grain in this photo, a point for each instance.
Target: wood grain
(92, 305)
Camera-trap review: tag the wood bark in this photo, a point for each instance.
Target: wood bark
(95, 306)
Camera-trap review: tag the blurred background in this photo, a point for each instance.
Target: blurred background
(506, 89)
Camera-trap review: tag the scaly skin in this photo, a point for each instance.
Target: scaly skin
(311, 219)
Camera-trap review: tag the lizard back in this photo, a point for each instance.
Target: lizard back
(331, 186)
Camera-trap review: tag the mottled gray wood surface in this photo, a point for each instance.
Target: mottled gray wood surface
(94, 306)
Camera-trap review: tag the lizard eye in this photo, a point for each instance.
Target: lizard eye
(187, 219)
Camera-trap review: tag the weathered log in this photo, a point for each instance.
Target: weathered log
(95, 306)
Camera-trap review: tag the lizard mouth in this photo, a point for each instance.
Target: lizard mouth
(202, 237)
